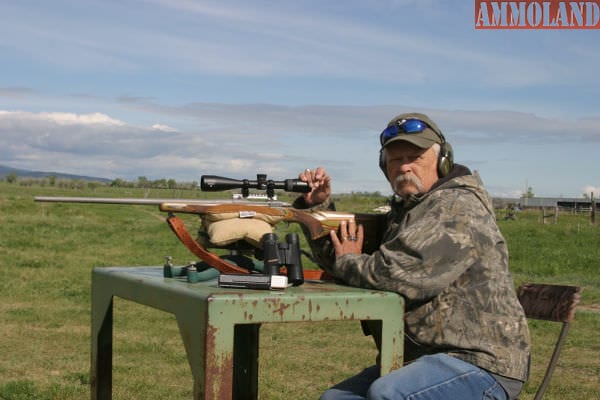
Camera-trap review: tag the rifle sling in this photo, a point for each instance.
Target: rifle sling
(217, 262)
(211, 259)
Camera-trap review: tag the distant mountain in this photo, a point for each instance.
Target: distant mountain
(5, 170)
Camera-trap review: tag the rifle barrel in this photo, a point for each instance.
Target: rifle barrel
(133, 201)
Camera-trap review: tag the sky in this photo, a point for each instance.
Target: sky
(177, 89)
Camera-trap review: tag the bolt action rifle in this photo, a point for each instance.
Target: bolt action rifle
(317, 223)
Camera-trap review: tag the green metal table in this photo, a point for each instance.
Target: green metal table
(220, 327)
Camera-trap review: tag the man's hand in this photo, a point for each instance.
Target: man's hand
(320, 184)
(350, 240)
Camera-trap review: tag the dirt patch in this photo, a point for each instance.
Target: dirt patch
(590, 307)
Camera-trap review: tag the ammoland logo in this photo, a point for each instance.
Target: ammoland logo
(531, 14)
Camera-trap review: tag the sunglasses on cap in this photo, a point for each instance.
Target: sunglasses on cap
(404, 126)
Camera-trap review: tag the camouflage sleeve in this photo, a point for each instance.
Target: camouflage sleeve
(426, 251)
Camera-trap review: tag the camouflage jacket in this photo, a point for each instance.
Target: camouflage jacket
(443, 252)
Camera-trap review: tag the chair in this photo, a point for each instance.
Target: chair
(552, 303)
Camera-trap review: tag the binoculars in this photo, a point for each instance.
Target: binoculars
(278, 254)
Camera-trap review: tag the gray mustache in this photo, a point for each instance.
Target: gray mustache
(409, 178)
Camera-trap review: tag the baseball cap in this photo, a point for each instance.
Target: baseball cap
(415, 128)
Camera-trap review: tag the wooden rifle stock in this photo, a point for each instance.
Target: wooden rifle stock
(318, 223)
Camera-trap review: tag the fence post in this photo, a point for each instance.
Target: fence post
(593, 213)
(543, 215)
(555, 215)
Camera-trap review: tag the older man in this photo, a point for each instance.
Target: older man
(466, 333)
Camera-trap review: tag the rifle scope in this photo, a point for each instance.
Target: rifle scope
(212, 183)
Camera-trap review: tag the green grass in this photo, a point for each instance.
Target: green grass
(567, 252)
(47, 252)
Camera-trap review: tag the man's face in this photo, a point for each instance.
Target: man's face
(410, 169)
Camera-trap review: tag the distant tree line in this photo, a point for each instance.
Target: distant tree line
(66, 183)
(53, 181)
(145, 183)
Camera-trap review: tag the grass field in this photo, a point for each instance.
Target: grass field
(47, 252)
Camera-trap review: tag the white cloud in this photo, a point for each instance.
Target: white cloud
(74, 119)
(162, 127)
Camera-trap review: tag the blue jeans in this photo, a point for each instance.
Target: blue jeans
(434, 377)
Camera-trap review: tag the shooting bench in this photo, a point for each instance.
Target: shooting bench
(220, 327)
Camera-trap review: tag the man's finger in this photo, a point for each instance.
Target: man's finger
(334, 239)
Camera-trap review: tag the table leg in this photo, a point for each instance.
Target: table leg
(392, 344)
(193, 332)
(245, 361)
(102, 344)
(224, 361)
